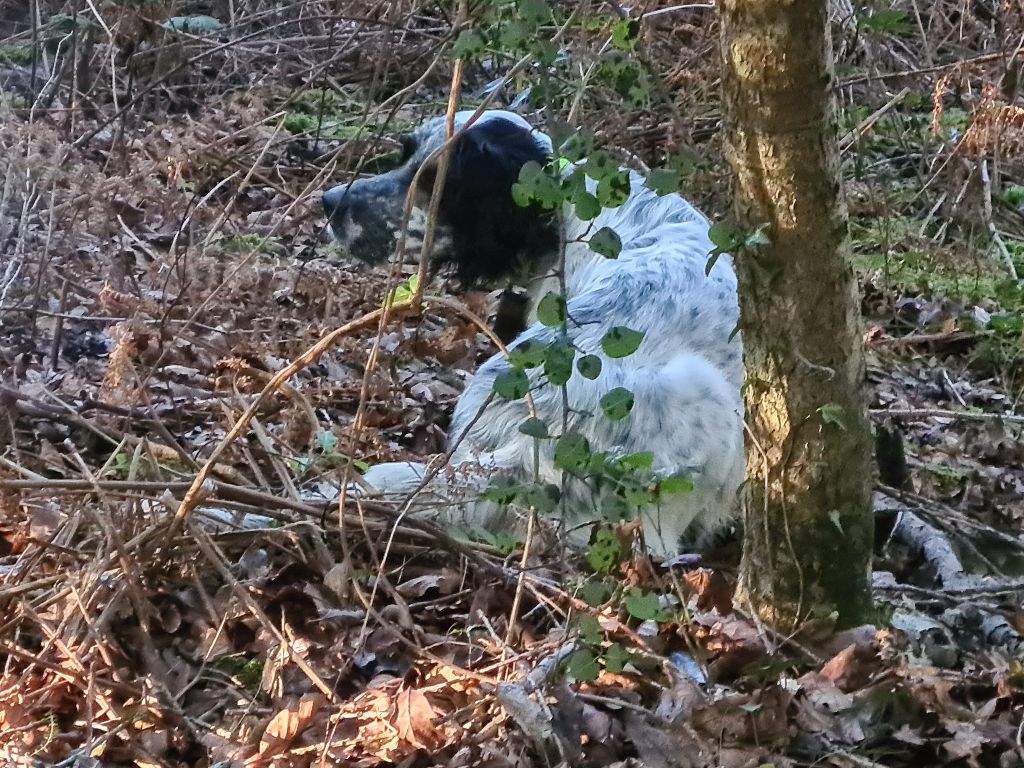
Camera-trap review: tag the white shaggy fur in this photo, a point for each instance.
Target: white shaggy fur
(686, 375)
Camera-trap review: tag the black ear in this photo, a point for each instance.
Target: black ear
(492, 237)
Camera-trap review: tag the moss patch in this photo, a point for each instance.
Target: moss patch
(15, 54)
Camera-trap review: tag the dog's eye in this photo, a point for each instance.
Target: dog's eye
(408, 148)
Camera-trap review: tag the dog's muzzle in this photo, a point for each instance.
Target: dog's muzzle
(364, 217)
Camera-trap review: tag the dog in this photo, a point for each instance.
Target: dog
(685, 376)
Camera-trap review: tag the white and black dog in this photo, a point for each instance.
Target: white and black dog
(685, 376)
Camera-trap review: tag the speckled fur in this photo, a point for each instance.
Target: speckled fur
(686, 375)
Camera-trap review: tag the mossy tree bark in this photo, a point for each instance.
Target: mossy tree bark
(807, 500)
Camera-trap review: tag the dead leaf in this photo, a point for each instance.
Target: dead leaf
(681, 698)
(285, 726)
(732, 638)
(662, 746)
(445, 582)
(45, 518)
(966, 742)
(758, 718)
(908, 736)
(712, 590)
(414, 719)
(824, 694)
(852, 667)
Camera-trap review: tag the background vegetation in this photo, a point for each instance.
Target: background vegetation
(159, 219)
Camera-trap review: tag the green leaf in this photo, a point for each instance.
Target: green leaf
(534, 427)
(558, 362)
(712, 260)
(727, 239)
(574, 183)
(595, 593)
(299, 464)
(551, 310)
(605, 552)
(577, 146)
(637, 462)
(502, 491)
(1013, 195)
(601, 165)
(326, 441)
(724, 236)
(582, 666)
(617, 403)
(637, 495)
(589, 629)
(642, 606)
(404, 292)
(615, 509)
(543, 498)
(613, 191)
(675, 484)
(625, 34)
(505, 542)
(626, 76)
(529, 172)
(621, 341)
(547, 91)
(571, 451)
(469, 43)
(606, 242)
(527, 354)
(537, 185)
(589, 366)
(512, 384)
(890, 21)
(516, 34)
(833, 414)
(587, 207)
(534, 11)
(615, 658)
(663, 181)
(546, 54)
(599, 464)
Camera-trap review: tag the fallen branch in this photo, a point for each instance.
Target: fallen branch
(934, 547)
(869, 122)
(922, 338)
(946, 515)
(531, 712)
(995, 588)
(942, 413)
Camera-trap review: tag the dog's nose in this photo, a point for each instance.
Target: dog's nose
(333, 199)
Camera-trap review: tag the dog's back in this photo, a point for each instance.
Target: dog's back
(685, 375)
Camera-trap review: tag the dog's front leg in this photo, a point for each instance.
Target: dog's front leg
(448, 494)
(396, 479)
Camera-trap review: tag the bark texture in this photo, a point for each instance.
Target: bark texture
(807, 500)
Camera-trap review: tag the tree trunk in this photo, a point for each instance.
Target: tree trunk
(807, 500)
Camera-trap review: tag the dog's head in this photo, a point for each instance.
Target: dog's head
(482, 236)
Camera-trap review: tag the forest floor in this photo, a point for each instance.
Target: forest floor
(162, 258)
